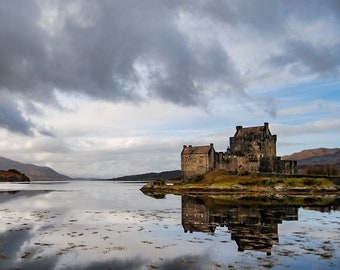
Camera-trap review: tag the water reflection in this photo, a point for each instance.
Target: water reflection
(252, 222)
(15, 194)
(105, 225)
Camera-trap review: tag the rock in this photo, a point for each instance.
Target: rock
(238, 187)
(280, 188)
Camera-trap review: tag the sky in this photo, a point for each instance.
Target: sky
(112, 88)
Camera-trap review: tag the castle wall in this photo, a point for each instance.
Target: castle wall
(267, 164)
(269, 146)
(193, 165)
(285, 166)
(197, 161)
(242, 165)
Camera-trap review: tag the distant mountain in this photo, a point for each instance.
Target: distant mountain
(318, 156)
(32, 171)
(317, 161)
(167, 175)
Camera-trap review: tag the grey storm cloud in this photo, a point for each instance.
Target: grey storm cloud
(318, 60)
(95, 50)
(131, 51)
(12, 119)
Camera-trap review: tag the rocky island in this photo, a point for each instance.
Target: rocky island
(249, 165)
(222, 183)
(13, 176)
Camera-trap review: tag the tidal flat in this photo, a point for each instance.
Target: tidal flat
(113, 225)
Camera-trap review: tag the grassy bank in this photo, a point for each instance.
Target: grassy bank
(219, 178)
(220, 182)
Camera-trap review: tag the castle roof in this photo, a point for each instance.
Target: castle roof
(189, 150)
(244, 131)
(248, 130)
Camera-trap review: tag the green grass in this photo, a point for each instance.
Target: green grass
(219, 179)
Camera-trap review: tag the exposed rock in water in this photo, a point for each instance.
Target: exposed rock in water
(13, 176)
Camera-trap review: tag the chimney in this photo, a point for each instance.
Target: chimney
(184, 146)
(238, 128)
(266, 125)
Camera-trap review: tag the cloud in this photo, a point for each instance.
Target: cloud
(133, 51)
(96, 48)
(304, 58)
(330, 124)
(12, 119)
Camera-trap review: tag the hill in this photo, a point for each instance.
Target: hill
(32, 171)
(317, 158)
(167, 175)
(13, 176)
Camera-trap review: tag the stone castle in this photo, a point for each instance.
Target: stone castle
(252, 149)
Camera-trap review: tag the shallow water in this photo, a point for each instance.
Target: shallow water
(105, 225)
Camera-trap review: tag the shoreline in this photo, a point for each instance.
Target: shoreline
(219, 183)
(238, 190)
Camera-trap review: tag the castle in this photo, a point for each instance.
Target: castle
(252, 149)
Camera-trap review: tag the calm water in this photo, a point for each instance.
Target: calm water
(105, 225)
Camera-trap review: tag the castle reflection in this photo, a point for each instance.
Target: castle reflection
(253, 224)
